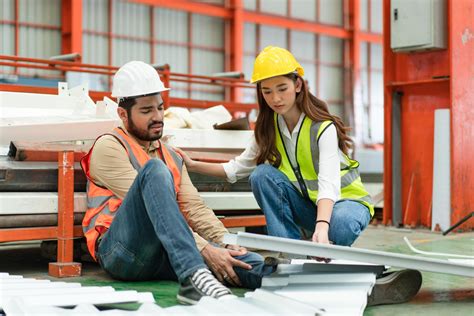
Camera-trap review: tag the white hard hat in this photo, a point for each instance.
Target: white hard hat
(136, 78)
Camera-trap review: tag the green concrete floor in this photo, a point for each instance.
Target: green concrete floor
(441, 294)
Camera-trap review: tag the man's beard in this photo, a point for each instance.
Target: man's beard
(142, 134)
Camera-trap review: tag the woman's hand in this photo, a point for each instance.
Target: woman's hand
(187, 161)
(321, 236)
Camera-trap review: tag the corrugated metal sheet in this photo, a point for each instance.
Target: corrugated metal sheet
(39, 43)
(125, 50)
(206, 62)
(303, 45)
(364, 15)
(249, 38)
(208, 31)
(274, 36)
(7, 32)
(331, 84)
(130, 19)
(94, 15)
(250, 5)
(303, 9)
(7, 10)
(177, 58)
(331, 49)
(171, 25)
(376, 16)
(218, 2)
(273, 6)
(331, 12)
(43, 12)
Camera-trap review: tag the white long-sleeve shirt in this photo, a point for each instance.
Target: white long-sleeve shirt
(329, 179)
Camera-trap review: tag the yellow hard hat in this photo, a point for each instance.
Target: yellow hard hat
(274, 61)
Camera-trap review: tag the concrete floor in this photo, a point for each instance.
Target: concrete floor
(441, 294)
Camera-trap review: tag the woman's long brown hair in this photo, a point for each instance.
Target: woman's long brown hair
(316, 109)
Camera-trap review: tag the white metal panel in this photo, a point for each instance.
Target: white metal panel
(331, 49)
(331, 83)
(303, 45)
(94, 15)
(441, 199)
(7, 10)
(39, 43)
(249, 38)
(206, 63)
(208, 139)
(364, 15)
(171, 25)
(274, 36)
(303, 9)
(277, 7)
(376, 56)
(95, 51)
(376, 16)
(131, 19)
(125, 50)
(310, 75)
(331, 11)
(208, 31)
(250, 5)
(41, 12)
(336, 109)
(7, 44)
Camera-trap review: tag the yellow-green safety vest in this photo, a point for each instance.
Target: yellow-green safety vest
(304, 176)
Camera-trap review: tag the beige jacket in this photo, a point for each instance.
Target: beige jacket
(110, 167)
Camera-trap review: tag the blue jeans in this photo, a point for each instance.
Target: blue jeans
(286, 210)
(150, 239)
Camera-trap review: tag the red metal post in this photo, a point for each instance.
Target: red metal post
(65, 267)
(237, 44)
(461, 41)
(71, 26)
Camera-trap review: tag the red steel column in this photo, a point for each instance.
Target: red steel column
(71, 26)
(64, 267)
(237, 44)
(461, 41)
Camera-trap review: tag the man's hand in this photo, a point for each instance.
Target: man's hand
(222, 262)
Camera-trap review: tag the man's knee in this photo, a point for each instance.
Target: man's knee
(155, 168)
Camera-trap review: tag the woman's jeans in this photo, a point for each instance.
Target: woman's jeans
(150, 239)
(286, 210)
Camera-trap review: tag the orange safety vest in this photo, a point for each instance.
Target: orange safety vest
(102, 203)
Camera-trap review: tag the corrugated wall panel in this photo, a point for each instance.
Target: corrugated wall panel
(208, 31)
(216, 2)
(303, 47)
(177, 58)
(39, 43)
(7, 32)
(94, 15)
(171, 25)
(364, 87)
(376, 93)
(331, 84)
(125, 50)
(206, 62)
(130, 19)
(41, 12)
(303, 9)
(331, 12)
(249, 38)
(250, 5)
(248, 95)
(273, 36)
(331, 49)
(364, 15)
(376, 16)
(274, 6)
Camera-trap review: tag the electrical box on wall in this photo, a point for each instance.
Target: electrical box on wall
(418, 25)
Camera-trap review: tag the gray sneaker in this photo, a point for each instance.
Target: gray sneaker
(201, 283)
(395, 287)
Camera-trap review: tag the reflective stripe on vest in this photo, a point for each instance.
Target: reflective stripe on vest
(304, 176)
(102, 203)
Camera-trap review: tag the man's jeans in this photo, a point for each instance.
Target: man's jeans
(286, 210)
(150, 239)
